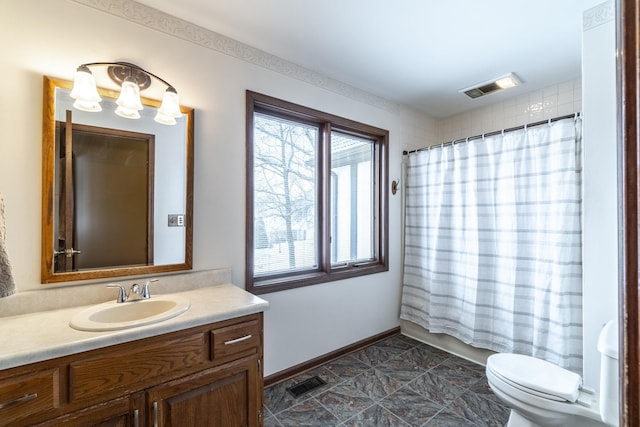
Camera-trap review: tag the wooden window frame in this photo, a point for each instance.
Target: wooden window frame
(325, 272)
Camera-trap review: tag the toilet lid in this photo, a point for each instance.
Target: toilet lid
(537, 375)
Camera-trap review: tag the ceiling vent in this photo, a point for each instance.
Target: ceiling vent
(501, 83)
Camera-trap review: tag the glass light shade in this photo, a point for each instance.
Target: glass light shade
(170, 104)
(164, 119)
(129, 98)
(127, 113)
(92, 107)
(85, 91)
(170, 108)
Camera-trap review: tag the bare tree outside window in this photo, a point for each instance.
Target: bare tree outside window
(284, 195)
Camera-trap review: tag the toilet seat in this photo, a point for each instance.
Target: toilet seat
(536, 376)
(527, 389)
(524, 402)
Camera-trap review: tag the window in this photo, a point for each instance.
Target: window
(316, 196)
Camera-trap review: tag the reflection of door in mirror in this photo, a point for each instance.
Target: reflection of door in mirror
(105, 211)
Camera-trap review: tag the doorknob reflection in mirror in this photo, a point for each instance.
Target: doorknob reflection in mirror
(132, 79)
(68, 252)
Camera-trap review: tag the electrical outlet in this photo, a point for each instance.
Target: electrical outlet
(176, 220)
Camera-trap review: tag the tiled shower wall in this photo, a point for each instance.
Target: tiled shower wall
(547, 103)
(418, 129)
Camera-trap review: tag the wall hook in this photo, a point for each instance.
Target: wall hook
(394, 186)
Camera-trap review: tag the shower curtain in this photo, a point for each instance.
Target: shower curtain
(493, 242)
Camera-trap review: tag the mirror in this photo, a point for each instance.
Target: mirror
(117, 194)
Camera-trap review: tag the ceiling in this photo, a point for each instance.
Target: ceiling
(415, 52)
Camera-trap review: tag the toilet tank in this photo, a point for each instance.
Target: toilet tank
(609, 373)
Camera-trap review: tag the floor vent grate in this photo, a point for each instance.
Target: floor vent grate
(306, 386)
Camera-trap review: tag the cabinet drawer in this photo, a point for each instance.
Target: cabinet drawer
(29, 395)
(125, 371)
(235, 339)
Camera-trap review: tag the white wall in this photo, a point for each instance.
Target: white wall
(52, 37)
(600, 214)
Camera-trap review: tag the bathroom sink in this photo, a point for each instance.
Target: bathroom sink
(111, 316)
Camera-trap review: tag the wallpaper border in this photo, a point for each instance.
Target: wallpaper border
(598, 15)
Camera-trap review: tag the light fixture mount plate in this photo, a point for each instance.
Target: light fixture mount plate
(118, 73)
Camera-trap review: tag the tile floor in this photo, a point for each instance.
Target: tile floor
(396, 382)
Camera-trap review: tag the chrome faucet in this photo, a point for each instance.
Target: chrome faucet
(141, 291)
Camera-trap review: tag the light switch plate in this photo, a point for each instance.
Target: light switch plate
(176, 220)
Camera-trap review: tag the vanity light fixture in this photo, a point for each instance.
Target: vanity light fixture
(131, 79)
(503, 82)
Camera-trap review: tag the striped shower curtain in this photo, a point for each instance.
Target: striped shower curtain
(493, 242)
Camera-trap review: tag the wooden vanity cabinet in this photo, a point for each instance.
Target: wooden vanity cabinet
(210, 375)
(221, 396)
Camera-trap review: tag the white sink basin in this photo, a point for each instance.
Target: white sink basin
(111, 316)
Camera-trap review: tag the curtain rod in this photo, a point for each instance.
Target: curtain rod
(542, 122)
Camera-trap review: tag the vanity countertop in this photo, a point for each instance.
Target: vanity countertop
(34, 337)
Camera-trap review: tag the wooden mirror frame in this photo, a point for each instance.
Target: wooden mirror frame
(48, 193)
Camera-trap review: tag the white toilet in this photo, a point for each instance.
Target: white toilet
(540, 393)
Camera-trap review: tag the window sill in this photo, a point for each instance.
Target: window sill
(265, 286)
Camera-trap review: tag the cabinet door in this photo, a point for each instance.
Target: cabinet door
(229, 395)
(123, 412)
